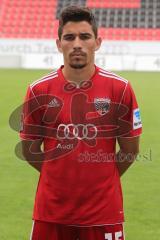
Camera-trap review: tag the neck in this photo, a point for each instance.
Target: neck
(78, 75)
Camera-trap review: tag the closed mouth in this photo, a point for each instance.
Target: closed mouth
(77, 54)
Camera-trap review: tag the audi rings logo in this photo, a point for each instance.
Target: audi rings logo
(76, 131)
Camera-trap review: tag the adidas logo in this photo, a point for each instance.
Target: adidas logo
(53, 103)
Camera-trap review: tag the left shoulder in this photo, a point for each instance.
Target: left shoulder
(117, 79)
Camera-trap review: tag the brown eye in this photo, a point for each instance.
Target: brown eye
(69, 37)
(85, 36)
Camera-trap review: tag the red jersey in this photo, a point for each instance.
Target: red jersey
(79, 182)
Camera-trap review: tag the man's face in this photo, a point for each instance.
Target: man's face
(78, 44)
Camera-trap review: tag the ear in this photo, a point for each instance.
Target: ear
(98, 43)
(58, 43)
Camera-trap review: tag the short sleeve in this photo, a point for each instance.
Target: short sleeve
(31, 117)
(133, 112)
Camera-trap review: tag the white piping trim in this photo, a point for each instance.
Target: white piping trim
(34, 95)
(32, 230)
(123, 94)
(113, 75)
(123, 232)
(95, 225)
(108, 72)
(49, 75)
(43, 80)
(138, 135)
(25, 138)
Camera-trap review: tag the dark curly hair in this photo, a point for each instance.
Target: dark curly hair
(76, 14)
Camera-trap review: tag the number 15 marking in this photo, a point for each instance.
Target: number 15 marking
(108, 236)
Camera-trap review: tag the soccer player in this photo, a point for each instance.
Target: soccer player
(71, 121)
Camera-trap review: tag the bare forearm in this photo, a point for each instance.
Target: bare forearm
(36, 164)
(129, 148)
(124, 161)
(33, 153)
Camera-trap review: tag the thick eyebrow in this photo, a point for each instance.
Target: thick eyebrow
(81, 34)
(86, 34)
(68, 35)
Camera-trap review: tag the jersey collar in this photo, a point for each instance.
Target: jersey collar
(65, 81)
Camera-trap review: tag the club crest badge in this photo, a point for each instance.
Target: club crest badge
(102, 105)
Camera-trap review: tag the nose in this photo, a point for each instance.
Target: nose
(77, 43)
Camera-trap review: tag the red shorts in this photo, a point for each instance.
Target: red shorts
(53, 231)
